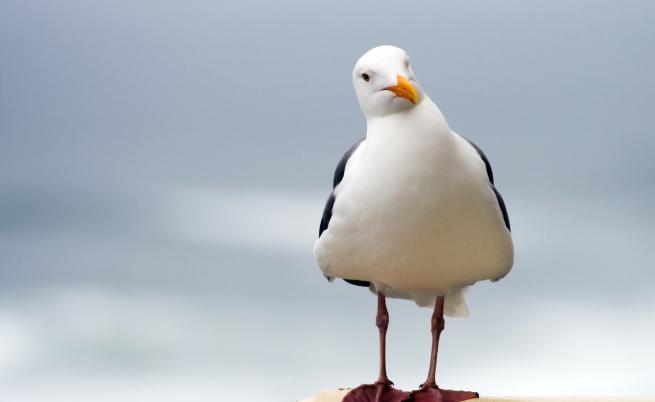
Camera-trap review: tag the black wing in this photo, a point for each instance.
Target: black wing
(490, 174)
(338, 176)
(327, 211)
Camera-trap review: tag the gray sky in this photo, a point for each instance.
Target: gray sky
(163, 167)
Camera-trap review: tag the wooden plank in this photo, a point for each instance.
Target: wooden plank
(337, 396)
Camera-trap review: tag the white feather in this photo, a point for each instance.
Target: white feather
(415, 214)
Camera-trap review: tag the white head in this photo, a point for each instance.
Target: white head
(385, 83)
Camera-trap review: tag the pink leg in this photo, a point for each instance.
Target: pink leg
(381, 390)
(382, 322)
(438, 325)
(429, 391)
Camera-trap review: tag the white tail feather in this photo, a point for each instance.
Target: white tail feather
(454, 304)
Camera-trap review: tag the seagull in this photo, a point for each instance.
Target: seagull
(413, 214)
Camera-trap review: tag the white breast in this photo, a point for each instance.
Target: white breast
(415, 210)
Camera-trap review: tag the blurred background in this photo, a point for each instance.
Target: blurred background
(163, 168)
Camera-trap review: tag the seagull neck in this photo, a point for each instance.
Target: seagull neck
(425, 116)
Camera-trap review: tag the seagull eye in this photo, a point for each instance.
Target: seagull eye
(366, 77)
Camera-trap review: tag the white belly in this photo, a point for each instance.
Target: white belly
(416, 216)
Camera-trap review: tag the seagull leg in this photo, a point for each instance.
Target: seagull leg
(382, 390)
(429, 391)
(438, 325)
(382, 322)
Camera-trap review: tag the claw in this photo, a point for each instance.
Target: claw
(378, 392)
(434, 394)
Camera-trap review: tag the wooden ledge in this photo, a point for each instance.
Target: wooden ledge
(337, 396)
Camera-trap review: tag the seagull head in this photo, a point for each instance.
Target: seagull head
(385, 82)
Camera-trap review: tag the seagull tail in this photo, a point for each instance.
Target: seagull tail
(455, 303)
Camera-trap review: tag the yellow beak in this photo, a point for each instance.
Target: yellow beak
(405, 90)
